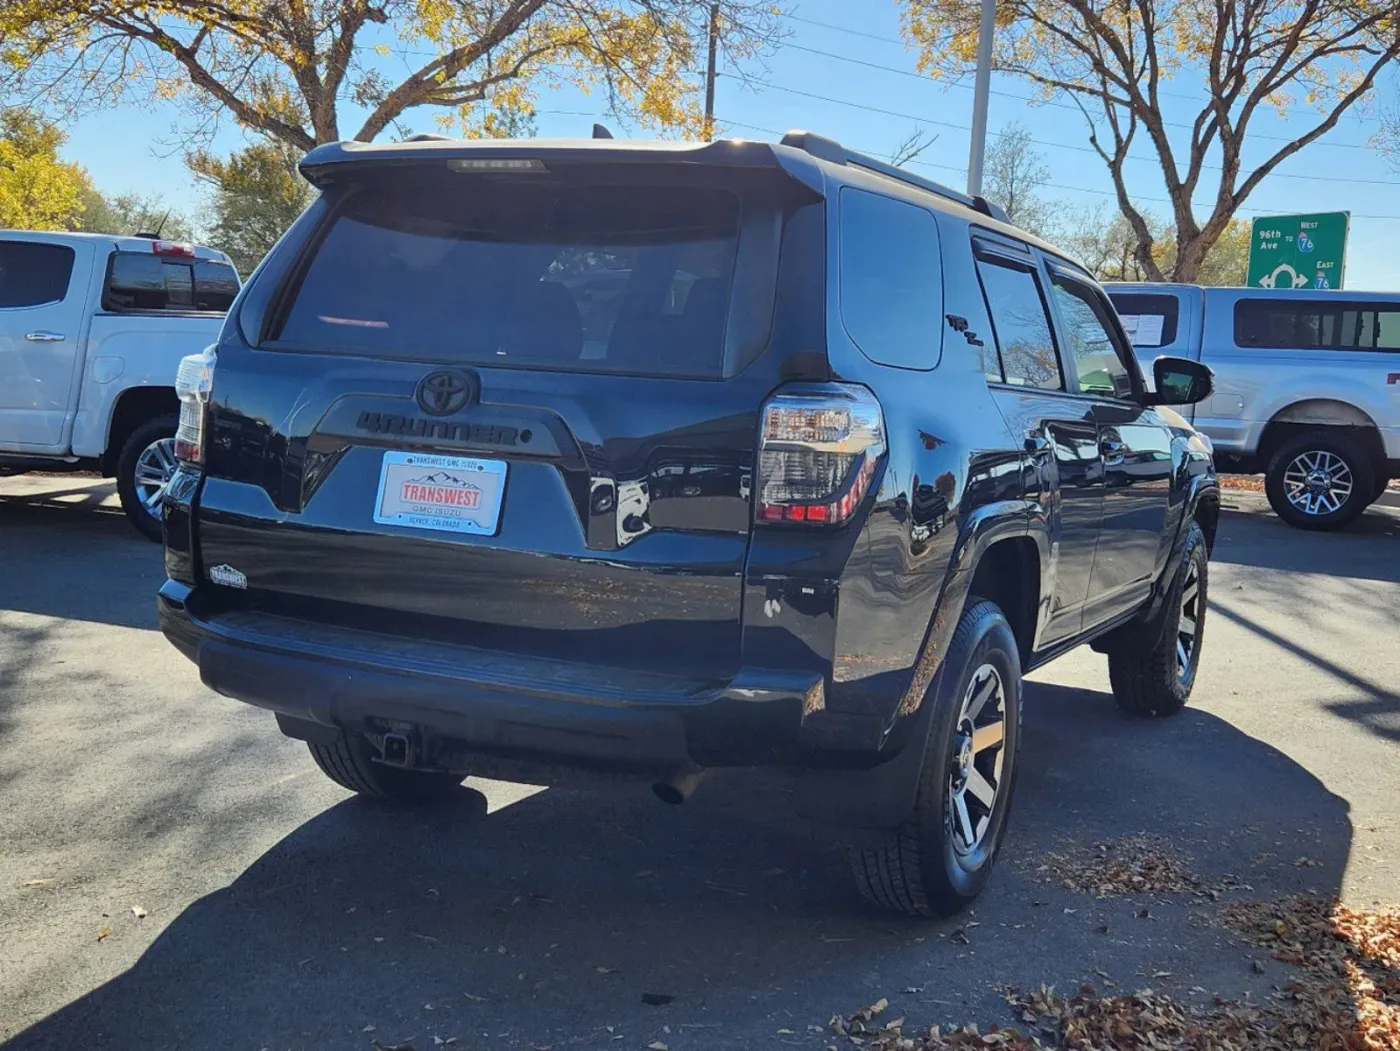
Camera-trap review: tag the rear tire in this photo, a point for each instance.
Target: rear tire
(934, 868)
(1146, 668)
(1337, 468)
(349, 762)
(148, 451)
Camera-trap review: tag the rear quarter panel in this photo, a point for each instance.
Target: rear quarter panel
(125, 351)
(953, 472)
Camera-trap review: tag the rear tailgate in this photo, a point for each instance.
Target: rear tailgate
(516, 411)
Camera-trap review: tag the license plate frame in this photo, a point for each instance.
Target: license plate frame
(449, 494)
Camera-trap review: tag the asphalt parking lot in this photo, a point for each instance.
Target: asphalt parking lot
(280, 913)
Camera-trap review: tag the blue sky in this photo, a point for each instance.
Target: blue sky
(828, 77)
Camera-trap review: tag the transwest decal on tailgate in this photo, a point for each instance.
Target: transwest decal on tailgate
(449, 493)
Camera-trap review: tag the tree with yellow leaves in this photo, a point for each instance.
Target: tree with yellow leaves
(304, 72)
(37, 190)
(1113, 58)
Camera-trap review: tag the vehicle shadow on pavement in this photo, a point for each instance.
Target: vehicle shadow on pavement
(1366, 549)
(78, 561)
(604, 919)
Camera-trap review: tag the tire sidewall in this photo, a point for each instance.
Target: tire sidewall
(984, 637)
(152, 430)
(1362, 472)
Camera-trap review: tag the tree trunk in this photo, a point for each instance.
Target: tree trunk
(1190, 257)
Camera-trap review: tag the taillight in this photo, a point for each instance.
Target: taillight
(193, 384)
(818, 450)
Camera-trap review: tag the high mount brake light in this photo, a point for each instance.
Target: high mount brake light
(173, 248)
(193, 384)
(818, 450)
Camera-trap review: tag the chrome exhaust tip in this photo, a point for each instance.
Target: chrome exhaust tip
(679, 788)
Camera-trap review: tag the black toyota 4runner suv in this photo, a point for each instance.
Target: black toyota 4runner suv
(644, 458)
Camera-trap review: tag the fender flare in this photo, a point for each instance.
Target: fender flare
(876, 800)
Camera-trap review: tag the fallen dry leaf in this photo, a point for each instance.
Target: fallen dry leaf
(657, 1045)
(407, 1045)
(105, 932)
(1129, 865)
(606, 970)
(37, 882)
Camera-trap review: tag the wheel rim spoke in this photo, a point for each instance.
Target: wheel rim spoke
(979, 700)
(988, 736)
(981, 789)
(963, 820)
(1183, 659)
(1187, 626)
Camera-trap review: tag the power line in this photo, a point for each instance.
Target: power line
(1036, 101)
(1006, 94)
(1247, 210)
(1041, 142)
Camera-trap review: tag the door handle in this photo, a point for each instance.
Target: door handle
(1036, 444)
(44, 336)
(1112, 451)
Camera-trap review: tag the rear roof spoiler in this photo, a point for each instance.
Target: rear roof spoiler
(321, 165)
(833, 152)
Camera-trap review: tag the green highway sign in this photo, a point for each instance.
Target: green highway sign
(1299, 251)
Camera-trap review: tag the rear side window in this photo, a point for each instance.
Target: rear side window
(142, 281)
(631, 279)
(891, 280)
(1149, 320)
(1025, 342)
(33, 274)
(1304, 324)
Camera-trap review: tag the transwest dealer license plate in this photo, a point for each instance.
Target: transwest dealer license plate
(450, 493)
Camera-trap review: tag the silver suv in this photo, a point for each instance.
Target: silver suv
(1307, 386)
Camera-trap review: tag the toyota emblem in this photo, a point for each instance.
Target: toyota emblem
(445, 392)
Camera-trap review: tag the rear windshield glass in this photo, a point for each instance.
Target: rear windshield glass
(541, 275)
(142, 281)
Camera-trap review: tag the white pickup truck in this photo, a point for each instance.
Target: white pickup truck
(92, 330)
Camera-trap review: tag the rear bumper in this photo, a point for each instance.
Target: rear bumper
(476, 701)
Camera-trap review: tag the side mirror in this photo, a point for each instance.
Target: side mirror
(1180, 381)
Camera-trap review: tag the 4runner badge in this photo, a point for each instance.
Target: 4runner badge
(228, 577)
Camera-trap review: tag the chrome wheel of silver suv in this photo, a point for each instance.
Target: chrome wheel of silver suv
(1318, 482)
(1321, 478)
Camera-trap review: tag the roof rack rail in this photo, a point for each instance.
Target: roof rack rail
(828, 149)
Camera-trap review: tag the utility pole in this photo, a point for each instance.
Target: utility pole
(981, 89)
(710, 73)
